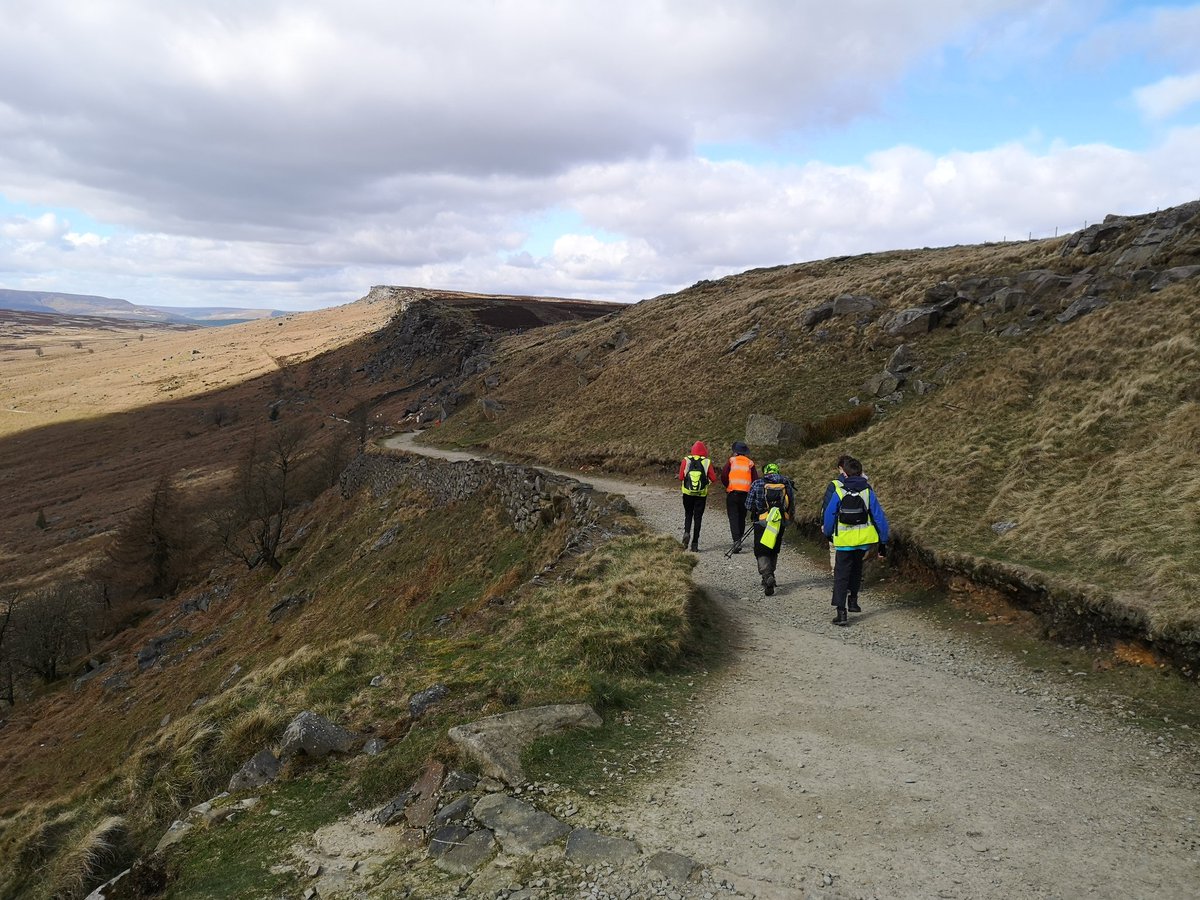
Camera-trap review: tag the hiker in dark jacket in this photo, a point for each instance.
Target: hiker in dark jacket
(839, 478)
(737, 477)
(772, 502)
(696, 473)
(855, 522)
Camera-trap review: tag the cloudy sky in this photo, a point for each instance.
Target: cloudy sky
(291, 154)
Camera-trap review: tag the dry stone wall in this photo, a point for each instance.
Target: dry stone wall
(528, 496)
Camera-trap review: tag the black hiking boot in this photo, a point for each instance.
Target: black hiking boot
(769, 585)
(841, 618)
(687, 538)
(854, 607)
(695, 546)
(737, 548)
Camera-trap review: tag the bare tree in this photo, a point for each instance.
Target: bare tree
(53, 625)
(8, 608)
(251, 523)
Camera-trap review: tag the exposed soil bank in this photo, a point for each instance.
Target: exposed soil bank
(1069, 614)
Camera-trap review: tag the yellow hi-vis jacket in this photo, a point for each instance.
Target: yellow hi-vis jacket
(854, 535)
(691, 491)
(771, 528)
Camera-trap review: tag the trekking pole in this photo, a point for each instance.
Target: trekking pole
(739, 541)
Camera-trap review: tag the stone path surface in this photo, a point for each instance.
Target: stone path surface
(897, 759)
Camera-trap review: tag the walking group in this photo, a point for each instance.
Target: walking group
(852, 518)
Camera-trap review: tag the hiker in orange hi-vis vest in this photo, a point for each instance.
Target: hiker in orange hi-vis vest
(737, 476)
(696, 473)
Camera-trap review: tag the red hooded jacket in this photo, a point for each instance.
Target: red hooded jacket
(698, 449)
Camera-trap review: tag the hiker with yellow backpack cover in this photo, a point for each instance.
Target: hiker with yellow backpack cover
(854, 522)
(696, 473)
(772, 503)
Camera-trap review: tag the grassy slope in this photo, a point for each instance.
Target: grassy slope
(74, 762)
(1086, 434)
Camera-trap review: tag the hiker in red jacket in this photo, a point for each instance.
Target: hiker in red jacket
(696, 473)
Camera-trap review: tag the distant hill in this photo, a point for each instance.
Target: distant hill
(110, 307)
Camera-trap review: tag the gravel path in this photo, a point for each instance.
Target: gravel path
(897, 759)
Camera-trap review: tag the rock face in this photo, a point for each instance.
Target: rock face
(496, 742)
(315, 736)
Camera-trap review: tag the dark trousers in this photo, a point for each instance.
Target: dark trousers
(693, 513)
(847, 576)
(735, 507)
(766, 557)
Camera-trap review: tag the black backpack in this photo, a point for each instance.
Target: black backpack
(696, 476)
(775, 495)
(853, 511)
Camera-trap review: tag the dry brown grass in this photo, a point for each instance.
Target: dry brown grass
(1086, 435)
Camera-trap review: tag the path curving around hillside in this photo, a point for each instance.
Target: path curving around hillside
(897, 759)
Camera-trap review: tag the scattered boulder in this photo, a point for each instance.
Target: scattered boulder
(491, 408)
(151, 653)
(521, 829)
(463, 859)
(496, 742)
(1171, 276)
(916, 320)
(743, 340)
(392, 811)
(1003, 528)
(173, 835)
(590, 848)
(424, 795)
(818, 314)
(765, 431)
(1080, 307)
(446, 839)
(881, 384)
(422, 700)
(314, 736)
(901, 360)
(457, 782)
(455, 811)
(287, 605)
(374, 746)
(853, 304)
(262, 768)
(1006, 299)
(674, 867)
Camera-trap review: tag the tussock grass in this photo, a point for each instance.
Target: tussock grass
(90, 857)
(626, 610)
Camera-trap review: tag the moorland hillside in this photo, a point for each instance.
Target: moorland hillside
(1030, 412)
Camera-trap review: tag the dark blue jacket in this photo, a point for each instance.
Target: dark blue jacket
(878, 517)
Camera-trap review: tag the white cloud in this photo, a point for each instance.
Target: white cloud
(292, 152)
(1167, 97)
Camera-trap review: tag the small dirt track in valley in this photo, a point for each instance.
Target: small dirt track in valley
(896, 758)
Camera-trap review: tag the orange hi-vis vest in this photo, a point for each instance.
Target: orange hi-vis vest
(739, 473)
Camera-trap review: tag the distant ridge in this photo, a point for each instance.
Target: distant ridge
(52, 302)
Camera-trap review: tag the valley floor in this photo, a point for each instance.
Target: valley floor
(896, 758)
